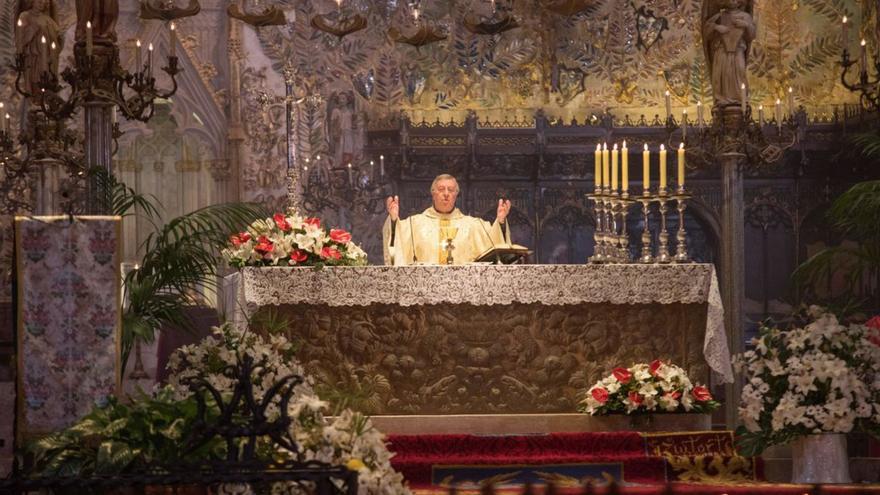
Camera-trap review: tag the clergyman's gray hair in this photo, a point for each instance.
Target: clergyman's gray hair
(445, 177)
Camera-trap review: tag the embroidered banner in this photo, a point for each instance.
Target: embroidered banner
(69, 317)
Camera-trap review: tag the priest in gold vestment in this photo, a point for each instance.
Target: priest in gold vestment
(424, 237)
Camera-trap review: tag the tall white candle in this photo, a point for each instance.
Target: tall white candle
(745, 99)
(624, 168)
(790, 101)
(381, 165)
(681, 165)
(777, 112)
(863, 56)
(700, 121)
(684, 123)
(172, 39)
(150, 59)
(614, 154)
(2, 120)
(845, 36)
(606, 177)
(646, 169)
(597, 172)
(89, 41)
(138, 57)
(761, 115)
(668, 105)
(662, 167)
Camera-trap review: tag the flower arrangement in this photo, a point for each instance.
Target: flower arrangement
(822, 378)
(647, 388)
(292, 240)
(348, 438)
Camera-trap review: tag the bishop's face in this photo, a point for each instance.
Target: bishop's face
(444, 194)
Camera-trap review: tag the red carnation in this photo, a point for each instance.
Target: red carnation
(622, 374)
(264, 245)
(298, 256)
(635, 398)
(655, 365)
(281, 222)
(340, 236)
(329, 252)
(600, 394)
(315, 222)
(701, 394)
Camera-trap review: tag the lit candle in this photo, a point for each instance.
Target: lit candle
(845, 37)
(113, 116)
(646, 169)
(150, 59)
(662, 168)
(306, 174)
(372, 169)
(700, 120)
(2, 120)
(668, 105)
(89, 41)
(791, 102)
(681, 165)
(597, 173)
(743, 97)
(624, 168)
(777, 112)
(44, 48)
(350, 175)
(138, 57)
(863, 56)
(6, 122)
(761, 115)
(606, 179)
(172, 35)
(381, 165)
(684, 123)
(416, 15)
(614, 154)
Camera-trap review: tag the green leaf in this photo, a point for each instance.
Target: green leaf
(113, 457)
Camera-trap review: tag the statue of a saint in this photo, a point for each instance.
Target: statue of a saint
(728, 30)
(102, 14)
(341, 128)
(38, 38)
(442, 230)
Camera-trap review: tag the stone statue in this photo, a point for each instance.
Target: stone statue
(102, 14)
(340, 128)
(728, 30)
(35, 34)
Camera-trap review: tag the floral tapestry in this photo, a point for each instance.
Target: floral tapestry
(68, 318)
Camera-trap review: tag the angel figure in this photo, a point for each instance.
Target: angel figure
(340, 128)
(38, 39)
(728, 30)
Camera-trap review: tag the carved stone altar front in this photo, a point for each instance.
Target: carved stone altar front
(487, 339)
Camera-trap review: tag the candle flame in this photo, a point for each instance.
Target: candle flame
(349, 165)
(615, 146)
(662, 148)
(42, 39)
(760, 107)
(864, 42)
(844, 19)
(646, 146)
(624, 144)
(150, 47)
(1, 104)
(598, 146)
(605, 146)
(88, 24)
(790, 89)
(137, 43)
(381, 157)
(371, 163)
(681, 146)
(52, 46)
(778, 101)
(667, 92)
(416, 14)
(742, 86)
(173, 26)
(19, 23)
(317, 157)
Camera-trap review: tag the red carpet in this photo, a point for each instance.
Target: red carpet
(568, 459)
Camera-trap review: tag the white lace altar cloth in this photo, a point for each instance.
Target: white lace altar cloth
(254, 287)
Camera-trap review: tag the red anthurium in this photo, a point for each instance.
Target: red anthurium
(622, 374)
(298, 256)
(264, 245)
(600, 394)
(675, 394)
(340, 236)
(655, 365)
(874, 322)
(702, 394)
(635, 398)
(281, 222)
(315, 222)
(328, 252)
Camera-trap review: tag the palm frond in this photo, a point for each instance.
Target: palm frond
(868, 144)
(856, 212)
(120, 199)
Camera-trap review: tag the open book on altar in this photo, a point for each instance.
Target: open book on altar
(504, 254)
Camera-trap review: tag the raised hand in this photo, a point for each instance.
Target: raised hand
(503, 210)
(392, 204)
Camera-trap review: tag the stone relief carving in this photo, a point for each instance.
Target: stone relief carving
(521, 358)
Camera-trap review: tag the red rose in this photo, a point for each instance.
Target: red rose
(281, 222)
(264, 245)
(600, 394)
(635, 398)
(622, 374)
(655, 365)
(315, 222)
(701, 394)
(298, 256)
(329, 252)
(340, 236)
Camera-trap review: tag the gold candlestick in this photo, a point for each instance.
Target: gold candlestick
(663, 250)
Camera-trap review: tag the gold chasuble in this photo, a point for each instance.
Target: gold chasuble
(422, 238)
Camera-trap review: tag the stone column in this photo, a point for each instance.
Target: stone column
(732, 277)
(97, 116)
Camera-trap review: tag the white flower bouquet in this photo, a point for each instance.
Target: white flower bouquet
(647, 388)
(348, 438)
(292, 240)
(822, 378)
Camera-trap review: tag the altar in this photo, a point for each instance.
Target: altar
(487, 339)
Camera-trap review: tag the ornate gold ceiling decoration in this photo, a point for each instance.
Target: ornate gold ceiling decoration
(569, 7)
(341, 26)
(424, 35)
(271, 16)
(167, 11)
